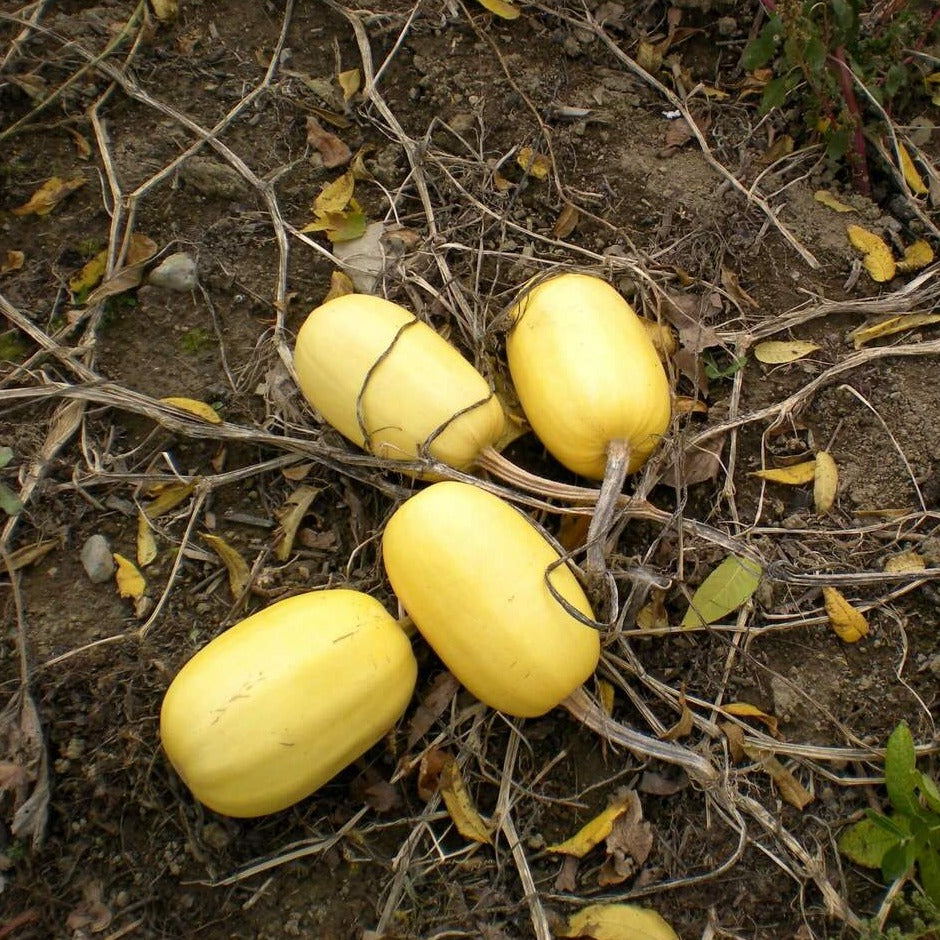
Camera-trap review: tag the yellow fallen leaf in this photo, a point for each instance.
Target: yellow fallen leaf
(917, 255)
(795, 475)
(652, 615)
(830, 201)
(340, 285)
(905, 563)
(663, 337)
(198, 408)
(130, 582)
(14, 261)
(165, 11)
(169, 497)
(825, 482)
(716, 93)
(777, 352)
(849, 624)
(146, 542)
(239, 574)
(606, 694)
(906, 321)
(746, 710)
(593, 832)
(649, 56)
(335, 196)
(81, 143)
(791, 790)
(500, 183)
(535, 164)
(683, 727)
(683, 405)
(90, 276)
(290, 516)
(911, 176)
(350, 81)
(460, 806)
(499, 7)
(878, 260)
(49, 195)
(617, 922)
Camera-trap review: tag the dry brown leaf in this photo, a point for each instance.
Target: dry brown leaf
(350, 81)
(746, 710)
(289, 517)
(130, 582)
(683, 405)
(29, 554)
(146, 541)
(297, 472)
(825, 482)
(567, 877)
(849, 624)
(912, 177)
(827, 199)
(429, 772)
(732, 285)
(663, 337)
(501, 8)
(433, 704)
(382, 796)
(165, 11)
(778, 352)
(791, 790)
(537, 165)
(898, 324)
(917, 255)
(332, 150)
(81, 143)
(460, 804)
(199, 409)
(780, 148)
(14, 261)
(652, 615)
(606, 694)
(794, 475)
(49, 195)
(500, 183)
(649, 56)
(141, 249)
(593, 832)
(628, 846)
(909, 562)
(92, 914)
(26, 773)
(566, 222)
(682, 728)
(678, 134)
(878, 260)
(239, 574)
(340, 285)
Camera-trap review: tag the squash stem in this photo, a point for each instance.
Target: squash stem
(494, 462)
(609, 498)
(592, 716)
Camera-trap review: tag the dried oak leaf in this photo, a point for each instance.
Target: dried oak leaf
(332, 150)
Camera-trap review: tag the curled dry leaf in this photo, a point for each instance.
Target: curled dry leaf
(827, 199)
(909, 562)
(791, 790)
(683, 727)
(535, 164)
(628, 846)
(433, 704)
(24, 769)
(146, 542)
(618, 922)
(825, 482)
(606, 694)
(566, 222)
(141, 249)
(898, 324)
(29, 554)
(912, 177)
(732, 285)
(460, 804)
(49, 195)
(878, 260)
(746, 710)
(199, 409)
(14, 261)
(130, 582)
(849, 624)
(350, 81)
(239, 574)
(167, 498)
(290, 516)
(165, 11)
(652, 615)
(340, 285)
(917, 255)
(593, 832)
(794, 475)
(778, 352)
(332, 150)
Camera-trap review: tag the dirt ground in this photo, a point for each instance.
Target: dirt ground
(196, 133)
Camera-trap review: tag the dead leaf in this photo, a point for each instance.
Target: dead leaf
(617, 922)
(350, 81)
(29, 554)
(572, 532)
(830, 201)
(657, 784)
(340, 285)
(780, 148)
(917, 255)
(146, 542)
(500, 183)
(567, 877)
(165, 11)
(289, 517)
(649, 56)
(606, 694)
(778, 352)
(460, 805)
(652, 615)
(909, 562)
(429, 772)
(594, 832)
(332, 150)
(501, 8)
(911, 175)
(678, 134)
(825, 482)
(141, 249)
(335, 196)
(199, 409)
(662, 336)
(239, 574)
(746, 710)
(358, 165)
(535, 164)
(898, 324)
(849, 624)
(297, 472)
(167, 498)
(91, 914)
(81, 143)
(683, 726)
(89, 277)
(432, 706)
(49, 195)
(26, 766)
(684, 405)
(382, 796)
(794, 475)
(791, 790)
(130, 582)
(878, 260)
(628, 846)
(728, 587)
(14, 261)
(700, 463)
(740, 297)
(566, 222)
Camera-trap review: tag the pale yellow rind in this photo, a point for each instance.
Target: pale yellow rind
(277, 705)
(470, 570)
(418, 385)
(587, 373)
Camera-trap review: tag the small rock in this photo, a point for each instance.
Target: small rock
(97, 559)
(213, 179)
(727, 26)
(175, 272)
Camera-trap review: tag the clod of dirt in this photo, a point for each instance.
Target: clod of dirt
(214, 180)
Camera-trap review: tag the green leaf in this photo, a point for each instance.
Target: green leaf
(895, 80)
(928, 868)
(775, 93)
(838, 144)
(866, 843)
(930, 791)
(6, 455)
(900, 774)
(761, 50)
(723, 591)
(897, 861)
(9, 501)
(899, 827)
(815, 54)
(845, 17)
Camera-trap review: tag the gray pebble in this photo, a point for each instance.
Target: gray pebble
(97, 559)
(175, 272)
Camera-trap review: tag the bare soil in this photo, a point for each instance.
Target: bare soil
(194, 133)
